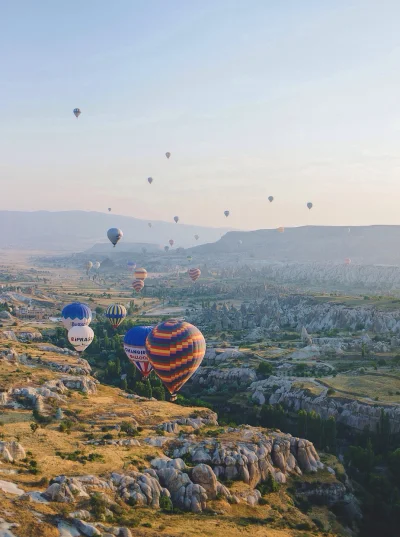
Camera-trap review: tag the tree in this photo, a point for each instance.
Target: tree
(265, 369)
(331, 434)
(34, 427)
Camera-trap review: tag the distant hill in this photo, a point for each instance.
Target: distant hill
(80, 230)
(362, 244)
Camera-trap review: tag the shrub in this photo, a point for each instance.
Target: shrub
(166, 504)
(330, 391)
(98, 505)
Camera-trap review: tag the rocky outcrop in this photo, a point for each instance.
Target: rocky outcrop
(207, 418)
(139, 488)
(70, 489)
(239, 377)
(83, 384)
(12, 451)
(350, 412)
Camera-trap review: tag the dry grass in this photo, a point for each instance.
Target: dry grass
(370, 386)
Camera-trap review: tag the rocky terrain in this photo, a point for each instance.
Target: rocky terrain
(172, 460)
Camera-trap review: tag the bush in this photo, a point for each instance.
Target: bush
(98, 505)
(265, 369)
(330, 391)
(166, 504)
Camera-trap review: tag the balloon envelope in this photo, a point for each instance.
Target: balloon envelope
(176, 218)
(270, 198)
(138, 285)
(150, 224)
(196, 237)
(175, 349)
(109, 209)
(171, 242)
(194, 274)
(150, 180)
(309, 205)
(96, 265)
(114, 235)
(76, 314)
(166, 248)
(116, 313)
(281, 229)
(134, 347)
(141, 273)
(88, 265)
(80, 337)
(77, 112)
(347, 261)
(226, 213)
(167, 154)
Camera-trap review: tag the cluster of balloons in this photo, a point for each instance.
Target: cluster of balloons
(174, 349)
(76, 318)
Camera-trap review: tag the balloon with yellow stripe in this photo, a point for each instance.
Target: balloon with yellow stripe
(175, 349)
(116, 313)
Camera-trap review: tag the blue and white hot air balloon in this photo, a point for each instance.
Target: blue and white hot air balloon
(134, 347)
(76, 314)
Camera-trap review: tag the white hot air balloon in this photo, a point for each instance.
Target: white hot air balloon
(80, 337)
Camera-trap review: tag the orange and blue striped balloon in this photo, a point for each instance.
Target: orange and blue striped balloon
(116, 313)
(175, 349)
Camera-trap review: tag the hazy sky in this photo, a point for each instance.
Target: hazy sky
(295, 99)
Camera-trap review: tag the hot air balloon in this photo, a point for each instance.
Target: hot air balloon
(270, 199)
(240, 242)
(116, 313)
(175, 349)
(109, 209)
(226, 213)
(134, 347)
(131, 265)
(138, 285)
(171, 242)
(80, 337)
(150, 180)
(88, 266)
(167, 154)
(281, 229)
(140, 274)
(150, 224)
(77, 112)
(309, 205)
(176, 218)
(347, 261)
(114, 235)
(76, 314)
(194, 274)
(196, 237)
(96, 265)
(189, 257)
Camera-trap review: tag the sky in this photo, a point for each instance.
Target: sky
(299, 100)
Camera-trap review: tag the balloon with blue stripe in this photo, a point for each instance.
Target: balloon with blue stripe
(116, 313)
(134, 347)
(76, 314)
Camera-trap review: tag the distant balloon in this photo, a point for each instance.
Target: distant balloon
(144, 250)
(171, 242)
(150, 224)
(270, 198)
(281, 229)
(194, 274)
(176, 218)
(348, 231)
(166, 248)
(141, 274)
(131, 265)
(134, 347)
(76, 314)
(77, 112)
(196, 237)
(240, 242)
(116, 313)
(109, 209)
(138, 285)
(114, 235)
(88, 266)
(189, 257)
(226, 213)
(175, 349)
(96, 265)
(80, 337)
(347, 261)
(167, 154)
(309, 205)
(150, 180)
